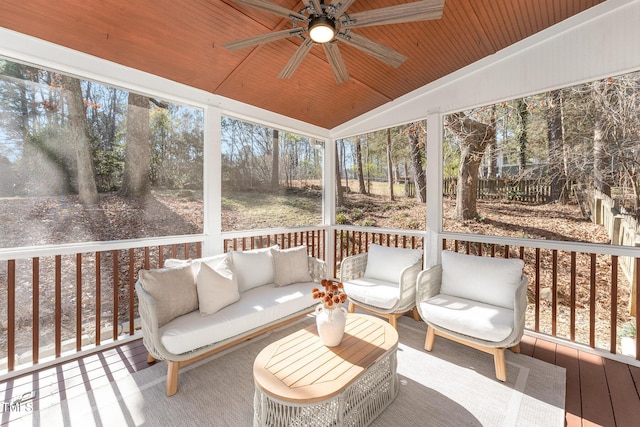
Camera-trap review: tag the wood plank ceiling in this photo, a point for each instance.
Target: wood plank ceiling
(183, 41)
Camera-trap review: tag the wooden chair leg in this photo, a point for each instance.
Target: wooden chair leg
(431, 336)
(352, 307)
(393, 321)
(515, 348)
(150, 358)
(501, 365)
(416, 315)
(172, 377)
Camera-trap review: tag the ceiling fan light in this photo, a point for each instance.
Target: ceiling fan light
(322, 29)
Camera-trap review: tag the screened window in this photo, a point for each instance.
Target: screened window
(83, 161)
(561, 165)
(270, 178)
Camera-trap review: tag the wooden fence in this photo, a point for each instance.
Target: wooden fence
(526, 190)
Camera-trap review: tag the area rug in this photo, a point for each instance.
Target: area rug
(451, 386)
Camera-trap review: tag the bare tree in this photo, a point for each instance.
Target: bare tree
(523, 120)
(416, 148)
(557, 172)
(275, 159)
(474, 138)
(389, 165)
(361, 186)
(339, 192)
(87, 190)
(136, 181)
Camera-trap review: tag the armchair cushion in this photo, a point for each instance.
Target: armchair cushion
(488, 280)
(482, 321)
(374, 292)
(386, 263)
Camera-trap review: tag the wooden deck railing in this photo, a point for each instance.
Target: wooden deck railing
(313, 238)
(354, 240)
(60, 304)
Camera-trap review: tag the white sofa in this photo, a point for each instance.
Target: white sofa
(191, 309)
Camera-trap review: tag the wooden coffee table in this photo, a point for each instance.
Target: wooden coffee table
(301, 382)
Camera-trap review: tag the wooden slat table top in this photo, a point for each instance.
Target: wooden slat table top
(299, 368)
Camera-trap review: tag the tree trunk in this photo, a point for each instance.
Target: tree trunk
(343, 151)
(339, 192)
(416, 162)
(554, 134)
(361, 187)
(389, 165)
(87, 190)
(523, 115)
(135, 181)
(275, 159)
(600, 156)
(475, 136)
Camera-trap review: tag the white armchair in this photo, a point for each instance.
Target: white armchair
(477, 301)
(382, 281)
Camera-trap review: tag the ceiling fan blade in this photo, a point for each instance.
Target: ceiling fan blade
(342, 6)
(273, 8)
(296, 59)
(263, 38)
(383, 53)
(422, 10)
(317, 6)
(340, 72)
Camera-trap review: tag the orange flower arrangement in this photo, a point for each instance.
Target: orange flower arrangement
(333, 293)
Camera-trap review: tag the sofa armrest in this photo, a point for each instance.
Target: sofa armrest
(407, 287)
(520, 306)
(353, 267)
(428, 283)
(149, 320)
(317, 269)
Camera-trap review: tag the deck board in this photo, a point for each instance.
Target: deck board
(624, 396)
(600, 392)
(596, 400)
(568, 359)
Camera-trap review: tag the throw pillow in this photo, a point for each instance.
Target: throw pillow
(173, 289)
(253, 268)
(386, 263)
(489, 280)
(217, 288)
(213, 261)
(290, 266)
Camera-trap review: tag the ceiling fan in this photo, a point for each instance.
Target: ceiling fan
(327, 24)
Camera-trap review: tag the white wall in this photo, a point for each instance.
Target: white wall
(600, 42)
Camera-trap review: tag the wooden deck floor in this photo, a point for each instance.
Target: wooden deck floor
(600, 392)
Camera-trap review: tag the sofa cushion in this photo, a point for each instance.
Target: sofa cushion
(212, 261)
(217, 288)
(256, 308)
(484, 321)
(253, 268)
(386, 263)
(375, 292)
(489, 280)
(173, 289)
(290, 265)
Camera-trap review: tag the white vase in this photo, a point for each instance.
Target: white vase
(331, 322)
